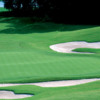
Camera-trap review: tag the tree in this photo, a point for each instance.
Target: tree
(8, 4)
(25, 5)
(60, 10)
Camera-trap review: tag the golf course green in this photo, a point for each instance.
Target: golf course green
(25, 57)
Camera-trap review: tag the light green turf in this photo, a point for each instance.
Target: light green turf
(25, 55)
(3, 9)
(90, 91)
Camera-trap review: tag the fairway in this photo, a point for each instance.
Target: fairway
(49, 50)
(25, 55)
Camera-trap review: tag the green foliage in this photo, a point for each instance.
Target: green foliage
(18, 5)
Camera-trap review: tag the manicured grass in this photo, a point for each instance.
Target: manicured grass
(25, 55)
(87, 50)
(90, 91)
(3, 9)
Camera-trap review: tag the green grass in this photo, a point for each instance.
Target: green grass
(3, 9)
(90, 91)
(25, 55)
(87, 50)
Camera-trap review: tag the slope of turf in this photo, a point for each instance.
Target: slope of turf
(2, 9)
(90, 91)
(25, 55)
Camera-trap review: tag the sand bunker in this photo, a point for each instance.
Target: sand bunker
(11, 95)
(69, 46)
(55, 83)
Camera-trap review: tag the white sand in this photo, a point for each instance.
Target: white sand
(69, 46)
(11, 95)
(55, 83)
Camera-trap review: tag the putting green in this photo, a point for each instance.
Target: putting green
(25, 55)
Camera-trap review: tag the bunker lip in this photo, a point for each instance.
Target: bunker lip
(11, 95)
(68, 47)
(55, 83)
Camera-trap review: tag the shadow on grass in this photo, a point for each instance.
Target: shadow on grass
(26, 25)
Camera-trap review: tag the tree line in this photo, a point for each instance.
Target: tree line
(56, 9)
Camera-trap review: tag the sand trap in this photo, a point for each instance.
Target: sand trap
(55, 83)
(11, 95)
(69, 46)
